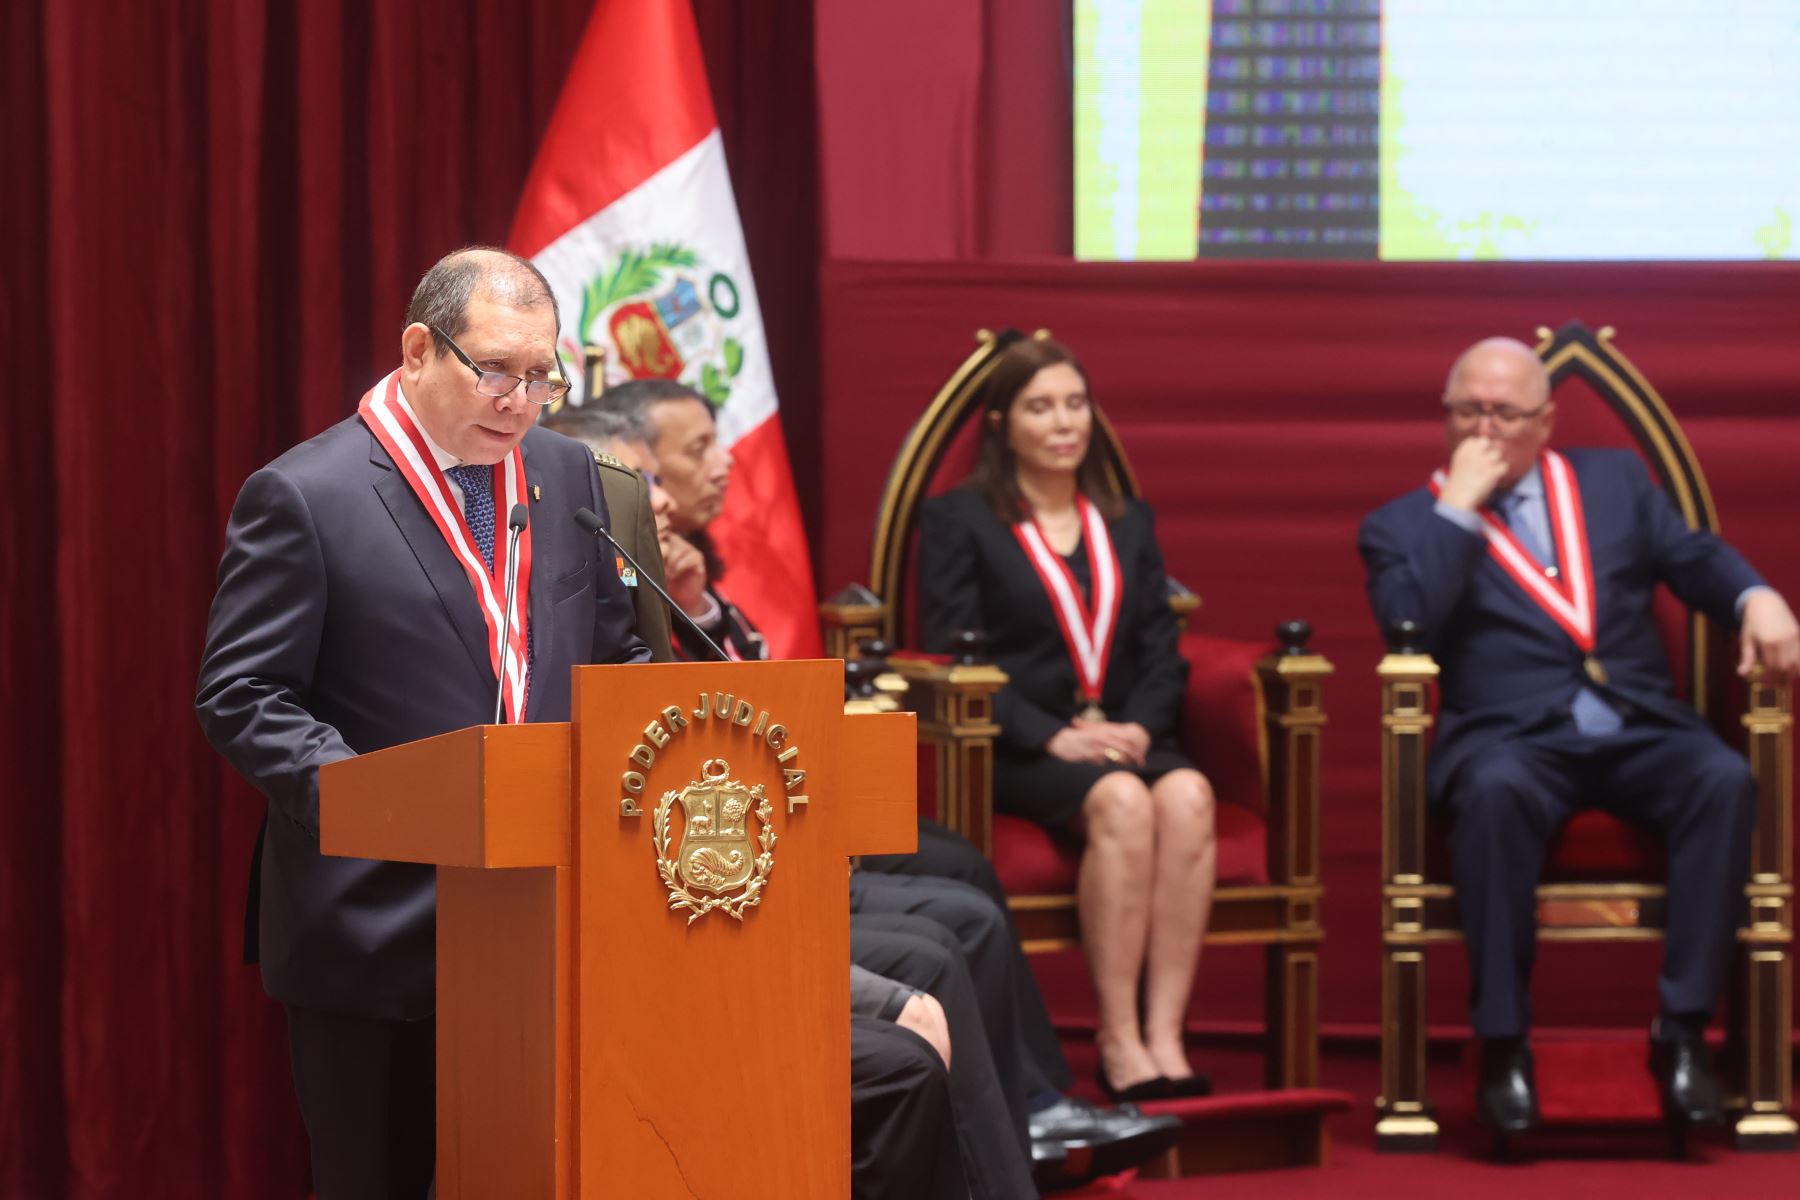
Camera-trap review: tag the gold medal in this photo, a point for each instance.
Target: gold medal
(1093, 712)
(1594, 670)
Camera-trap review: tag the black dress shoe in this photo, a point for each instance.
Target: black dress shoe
(1157, 1087)
(1048, 1160)
(1097, 1141)
(1682, 1065)
(1506, 1095)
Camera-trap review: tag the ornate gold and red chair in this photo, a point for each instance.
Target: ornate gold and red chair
(1603, 880)
(1252, 720)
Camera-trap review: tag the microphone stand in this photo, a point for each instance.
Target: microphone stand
(585, 518)
(515, 522)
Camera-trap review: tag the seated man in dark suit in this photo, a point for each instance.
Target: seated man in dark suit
(922, 987)
(903, 1143)
(1531, 574)
(619, 444)
(948, 881)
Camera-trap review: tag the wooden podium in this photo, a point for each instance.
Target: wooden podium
(643, 927)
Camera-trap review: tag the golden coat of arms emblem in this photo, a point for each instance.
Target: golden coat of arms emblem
(718, 864)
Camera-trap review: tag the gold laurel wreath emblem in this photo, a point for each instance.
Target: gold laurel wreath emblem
(713, 774)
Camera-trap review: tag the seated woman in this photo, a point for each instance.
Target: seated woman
(1063, 575)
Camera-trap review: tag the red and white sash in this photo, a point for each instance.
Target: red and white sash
(384, 410)
(1088, 632)
(1568, 598)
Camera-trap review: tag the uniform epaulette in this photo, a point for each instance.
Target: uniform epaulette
(609, 460)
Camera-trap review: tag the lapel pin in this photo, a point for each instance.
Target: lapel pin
(535, 493)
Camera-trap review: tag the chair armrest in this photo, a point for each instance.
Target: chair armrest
(955, 705)
(1769, 745)
(852, 614)
(1223, 717)
(1292, 684)
(1406, 720)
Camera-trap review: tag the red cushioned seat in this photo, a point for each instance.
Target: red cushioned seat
(1222, 719)
(1030, 862)
(1593, 847)
(1598, 846)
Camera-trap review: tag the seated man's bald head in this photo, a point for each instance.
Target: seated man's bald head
(1498, 395)
(1500, 355)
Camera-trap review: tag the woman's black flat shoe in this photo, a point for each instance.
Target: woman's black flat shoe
(1190, 1088)
(1157, 1087)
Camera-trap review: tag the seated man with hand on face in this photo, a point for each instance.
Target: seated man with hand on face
(1531, 574)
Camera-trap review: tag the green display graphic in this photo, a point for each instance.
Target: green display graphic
(1140, 91)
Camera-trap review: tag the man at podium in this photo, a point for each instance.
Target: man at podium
(412, 570)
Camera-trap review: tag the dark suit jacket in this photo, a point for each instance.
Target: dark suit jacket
(630, 520)
(973, 574)
(342, 624)
(1507, 667)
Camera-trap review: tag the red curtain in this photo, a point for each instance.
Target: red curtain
(215, 211)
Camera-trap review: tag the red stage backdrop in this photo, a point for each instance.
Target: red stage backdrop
(1267, 408)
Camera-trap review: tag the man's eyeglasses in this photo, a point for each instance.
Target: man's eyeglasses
(497, 384)
(1507, 419)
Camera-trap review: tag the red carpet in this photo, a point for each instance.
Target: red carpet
(1582, 1163)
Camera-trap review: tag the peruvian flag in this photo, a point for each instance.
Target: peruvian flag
(628, 211)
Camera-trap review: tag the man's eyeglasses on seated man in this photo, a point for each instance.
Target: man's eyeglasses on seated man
(497, 384)
(1507, 420)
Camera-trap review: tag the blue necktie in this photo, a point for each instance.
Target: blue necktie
(1513, 507)
(477, 484)
(1592, 715)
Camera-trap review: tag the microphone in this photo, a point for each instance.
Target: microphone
(585, 518)
(515, 525)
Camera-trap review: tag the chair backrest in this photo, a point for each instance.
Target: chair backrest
(937, 454)
(1575, 356)
(1584, 364)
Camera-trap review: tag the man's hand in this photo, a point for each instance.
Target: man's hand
(1129, 741)
(925, 1017)
(1769, 635)
(685, 567)
(1476, 468)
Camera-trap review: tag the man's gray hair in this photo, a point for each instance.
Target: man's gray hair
(442, 298)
